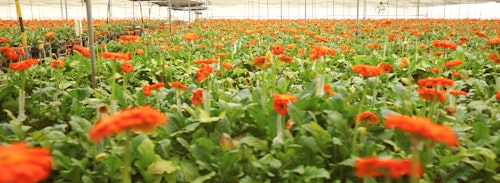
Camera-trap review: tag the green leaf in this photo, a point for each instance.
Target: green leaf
(147, 154)
(309, 173)
(162, 166)
(446, 161)
(80, 125)
(204, 177)
(480, 131)
(205, 116)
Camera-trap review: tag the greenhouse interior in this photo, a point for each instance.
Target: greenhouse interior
(249, 91)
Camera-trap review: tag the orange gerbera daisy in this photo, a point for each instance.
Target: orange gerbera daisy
(203, 72)
(178, 86)
(221, 54)
(127, 67)
(367, 70)
(444, 44)
(320, 38)
(386, 68)
(148, 88)
(497, 96)
(23, 65)
(285, 58)
(197, 98)
(432, 95)
(494, 40)
(82, 50)
(422, 127)
(404, 63)
(261, 62)
(320, 51)
(190, 36)
(367, 118)
(453, 63)
(20, 163)
(139, 51)
(373, 45)
(206, 61)
(376, 167)
(50, 35)
(4, 40)
(21, 51)
(328, 89)
(227, 65)
(422, 83)
(278, 49)
(129, 38)
(9, 52)
(143, 118)
(280, 102)
(494, 57)
(458, 92)
(436, 69)
(57, 64)
(117, 56)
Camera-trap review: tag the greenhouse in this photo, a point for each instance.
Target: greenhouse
(249, 91)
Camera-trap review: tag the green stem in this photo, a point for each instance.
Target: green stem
(356, 124)
(493, 117)
(21, 115)
(415, 160)
(125, 87)
(127, 159)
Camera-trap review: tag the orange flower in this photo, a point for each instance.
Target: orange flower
(285, 58)
(190, 36)
(4, 40)
(278, 49)
(261, 62)
(480, 34)
(21, 51)
(206, 61)
(386, 68)
(494, 57)
(117, 56)
(280, 102)
(458, 92)
(9, 53)
(203, 72)
(494, 40)
(453, 63)
(227, 65)
(436, 69)
(57, 64)
(290, 46)
(20, 163)
(82, 50)
(143, 118)
(404, 63)
(23, 65)
(129, 38)
(422, 83)
(432, 95)
(127, 67)
(373, 46)
(375, 167)
(221, 54)
(438, 53)
(366, 70)
(178, 86)
(328, 89)
(422, 127)
(148, 88)
(320, 38)
(367, 118)
(444, 44)
(197, 98)
(50, 35)
(497, 95)
(320, 51)
(139, 51)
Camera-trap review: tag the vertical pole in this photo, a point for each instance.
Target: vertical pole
(444, 9)
(91, 43)
(66, 7)
(459, 5)
(418, 9)
(281, 10)
(396, 9)
(267, 8)
(31, 5)
(142, 18)
(305, 10)
(357, 16)
(333, 9)
(189, 11)
(364, 9)
(62, 9)
(21, 25)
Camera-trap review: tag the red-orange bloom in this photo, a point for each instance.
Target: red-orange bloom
(320, 38)
(367, 118)
(221, 54)
(375, 167)
(50, 35)
(280, 102)
(21, 51)
(367, 70)
(178, 86)
(9, 52)
(143, 118)
(20, 163)
(139, 51)
(494, 40)
(206, 61)
(458, 92)
(404, 63)
(320, 51)
(435, 82)
(278, 49)
(82, 50)
(4, 40)
(386, 68)
(127, 67)
(497, 96)
(203, 72)
(444, 44)
(148, 88)
(117, 56)
(422, 127)
(436, 69)
(261, 62)
(57, 64)
(23, 65)
(285, 58)
(227, 65)
(453, 63)
(129, 38)
(190, 36)
(373, 45)
(328, 89)
(494, 57)
(432, 95)
(197, 98)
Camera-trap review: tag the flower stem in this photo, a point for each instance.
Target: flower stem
(356, 124)
(21, 115)
(127, 159)
(415, 159)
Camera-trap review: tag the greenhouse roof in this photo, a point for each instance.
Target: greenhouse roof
(226, 3)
